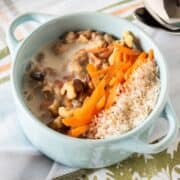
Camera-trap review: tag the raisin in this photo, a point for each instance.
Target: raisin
(37, 75)
(78, 86)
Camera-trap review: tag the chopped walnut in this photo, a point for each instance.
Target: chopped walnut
(128, 39)
(95, 60)
(75, 67)
(67, 103)
(81, 56)
(71, 37)
(82, 39)
(65, 112)
(108, 38)
(59, 47)
(57, 92)
(86, 33)
(78, 63)
(57, 123)
(48, 87)
(100, 41)
(76, 103)
(54, 107)
(68, 90)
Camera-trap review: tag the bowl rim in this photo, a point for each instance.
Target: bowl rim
(142, 126)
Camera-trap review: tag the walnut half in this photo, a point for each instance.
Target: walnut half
(65, 112)
(128, 38)
(69, 90)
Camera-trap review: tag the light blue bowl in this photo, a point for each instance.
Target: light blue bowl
(85, 153)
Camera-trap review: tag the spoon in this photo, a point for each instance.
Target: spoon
(161, 21)
(145, 17)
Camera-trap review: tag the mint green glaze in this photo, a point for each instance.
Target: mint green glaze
(80, 152)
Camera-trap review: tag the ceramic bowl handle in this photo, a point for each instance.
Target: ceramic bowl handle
(137, 145)
(37, 17)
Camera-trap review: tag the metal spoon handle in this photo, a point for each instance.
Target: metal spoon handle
(178, 2)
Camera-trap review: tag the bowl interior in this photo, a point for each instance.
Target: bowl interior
(51, 30)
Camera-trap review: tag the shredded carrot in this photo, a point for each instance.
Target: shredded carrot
(68, 121)
(151, 54)
(76, 132)
(96, 74)
(112, 82)
(126, 50)
(140, 60)
(119, 58)
(111, 98)
(101, 103)
(126, 66)
(100, 72)
(91, 69)
(125, 58)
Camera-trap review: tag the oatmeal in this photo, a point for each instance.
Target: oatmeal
(88, 84)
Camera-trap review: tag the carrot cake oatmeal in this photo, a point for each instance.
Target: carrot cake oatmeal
(90, 84)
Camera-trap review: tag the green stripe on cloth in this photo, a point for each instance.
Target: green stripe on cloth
(4, 79)
(79, 174)
(4, 52)
(113, 5)
(130, 18)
